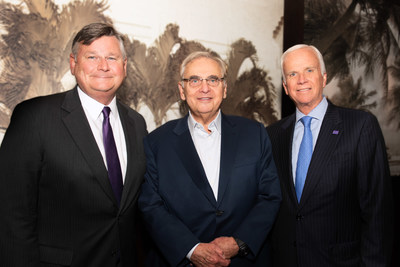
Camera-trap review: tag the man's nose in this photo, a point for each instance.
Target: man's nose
(204, 86)
(103, 64)
(302, 78)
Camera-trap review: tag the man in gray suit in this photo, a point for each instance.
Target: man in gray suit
(333, 168)
(71, 166)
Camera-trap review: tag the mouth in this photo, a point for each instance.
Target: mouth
(102, 77)
(204, 98)
(303, 89)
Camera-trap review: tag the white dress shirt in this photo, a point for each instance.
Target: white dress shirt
(208, 147)
(317, 114)
(94, 115)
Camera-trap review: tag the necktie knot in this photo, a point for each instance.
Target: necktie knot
(106, 112)
(306, 120)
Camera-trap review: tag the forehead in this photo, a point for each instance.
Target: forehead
(203, 67)
(300, 59)
(104, 44)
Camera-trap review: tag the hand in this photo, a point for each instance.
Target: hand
(209, 255)
(228, 246)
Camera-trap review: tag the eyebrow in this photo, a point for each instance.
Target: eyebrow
(199, 77)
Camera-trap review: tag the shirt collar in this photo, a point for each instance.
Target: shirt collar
(94, 108)
(216, 123)
(317, 113)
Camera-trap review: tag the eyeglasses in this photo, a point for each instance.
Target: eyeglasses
(196, 81)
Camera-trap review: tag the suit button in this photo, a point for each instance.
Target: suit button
(219, 212)
(299, 217)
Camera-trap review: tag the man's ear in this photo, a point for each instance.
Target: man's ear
(225, 92)
(181, 91)
(72, 63)
(125, 64)
(284, 86)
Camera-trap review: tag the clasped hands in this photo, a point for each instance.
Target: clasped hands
(216, 253)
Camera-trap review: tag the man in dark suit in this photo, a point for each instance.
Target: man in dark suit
(211, 191)
(336, 206)
(58, 204)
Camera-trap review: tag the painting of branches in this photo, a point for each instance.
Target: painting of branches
(360, 41)
(35, 47)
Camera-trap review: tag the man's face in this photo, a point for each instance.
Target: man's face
(304, 81)
(99, 68)
(204, 101)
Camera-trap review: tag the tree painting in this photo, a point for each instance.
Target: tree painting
(364, 33)
(35, 47)
(360, 39)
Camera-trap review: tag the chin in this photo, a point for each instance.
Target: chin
(103, 88)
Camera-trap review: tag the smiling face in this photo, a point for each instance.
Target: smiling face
(304, 81)
(99, 68)
(203, 101)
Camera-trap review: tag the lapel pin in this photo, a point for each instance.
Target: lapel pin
(335, 132)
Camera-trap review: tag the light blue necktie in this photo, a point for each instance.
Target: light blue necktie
(304, 157)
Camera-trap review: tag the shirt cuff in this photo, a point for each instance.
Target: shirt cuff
(189, 255)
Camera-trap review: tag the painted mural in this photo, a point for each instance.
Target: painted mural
(360, 41)
(35, 45)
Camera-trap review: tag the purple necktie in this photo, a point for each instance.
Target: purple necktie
(113, 165)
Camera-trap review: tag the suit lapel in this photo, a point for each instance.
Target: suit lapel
(228, 153)
(76, 122)
(131, 184)
(187, 153)
(285, 159)
(328, 137)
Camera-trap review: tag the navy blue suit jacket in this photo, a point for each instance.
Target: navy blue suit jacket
(177, 201)
(344, 215)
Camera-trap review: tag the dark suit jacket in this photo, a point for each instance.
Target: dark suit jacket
(177, 201)
(343, 218)
(56, 203)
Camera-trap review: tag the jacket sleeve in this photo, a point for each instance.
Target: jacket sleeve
(375, 195)
(170, 234)
(257, 224)
(20, 164)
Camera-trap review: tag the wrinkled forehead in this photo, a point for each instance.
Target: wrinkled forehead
(301, 59)
(203, 66)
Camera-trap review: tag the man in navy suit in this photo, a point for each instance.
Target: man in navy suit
(211, 190)
(339, 214)
(57, 203)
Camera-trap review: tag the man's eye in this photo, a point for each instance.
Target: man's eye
(194, 81)
(292, 74)
(310, 70)
(92, 57)
(111, 58)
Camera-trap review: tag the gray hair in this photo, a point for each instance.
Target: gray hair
(91, 32)
(298, 46)
(203, 54)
